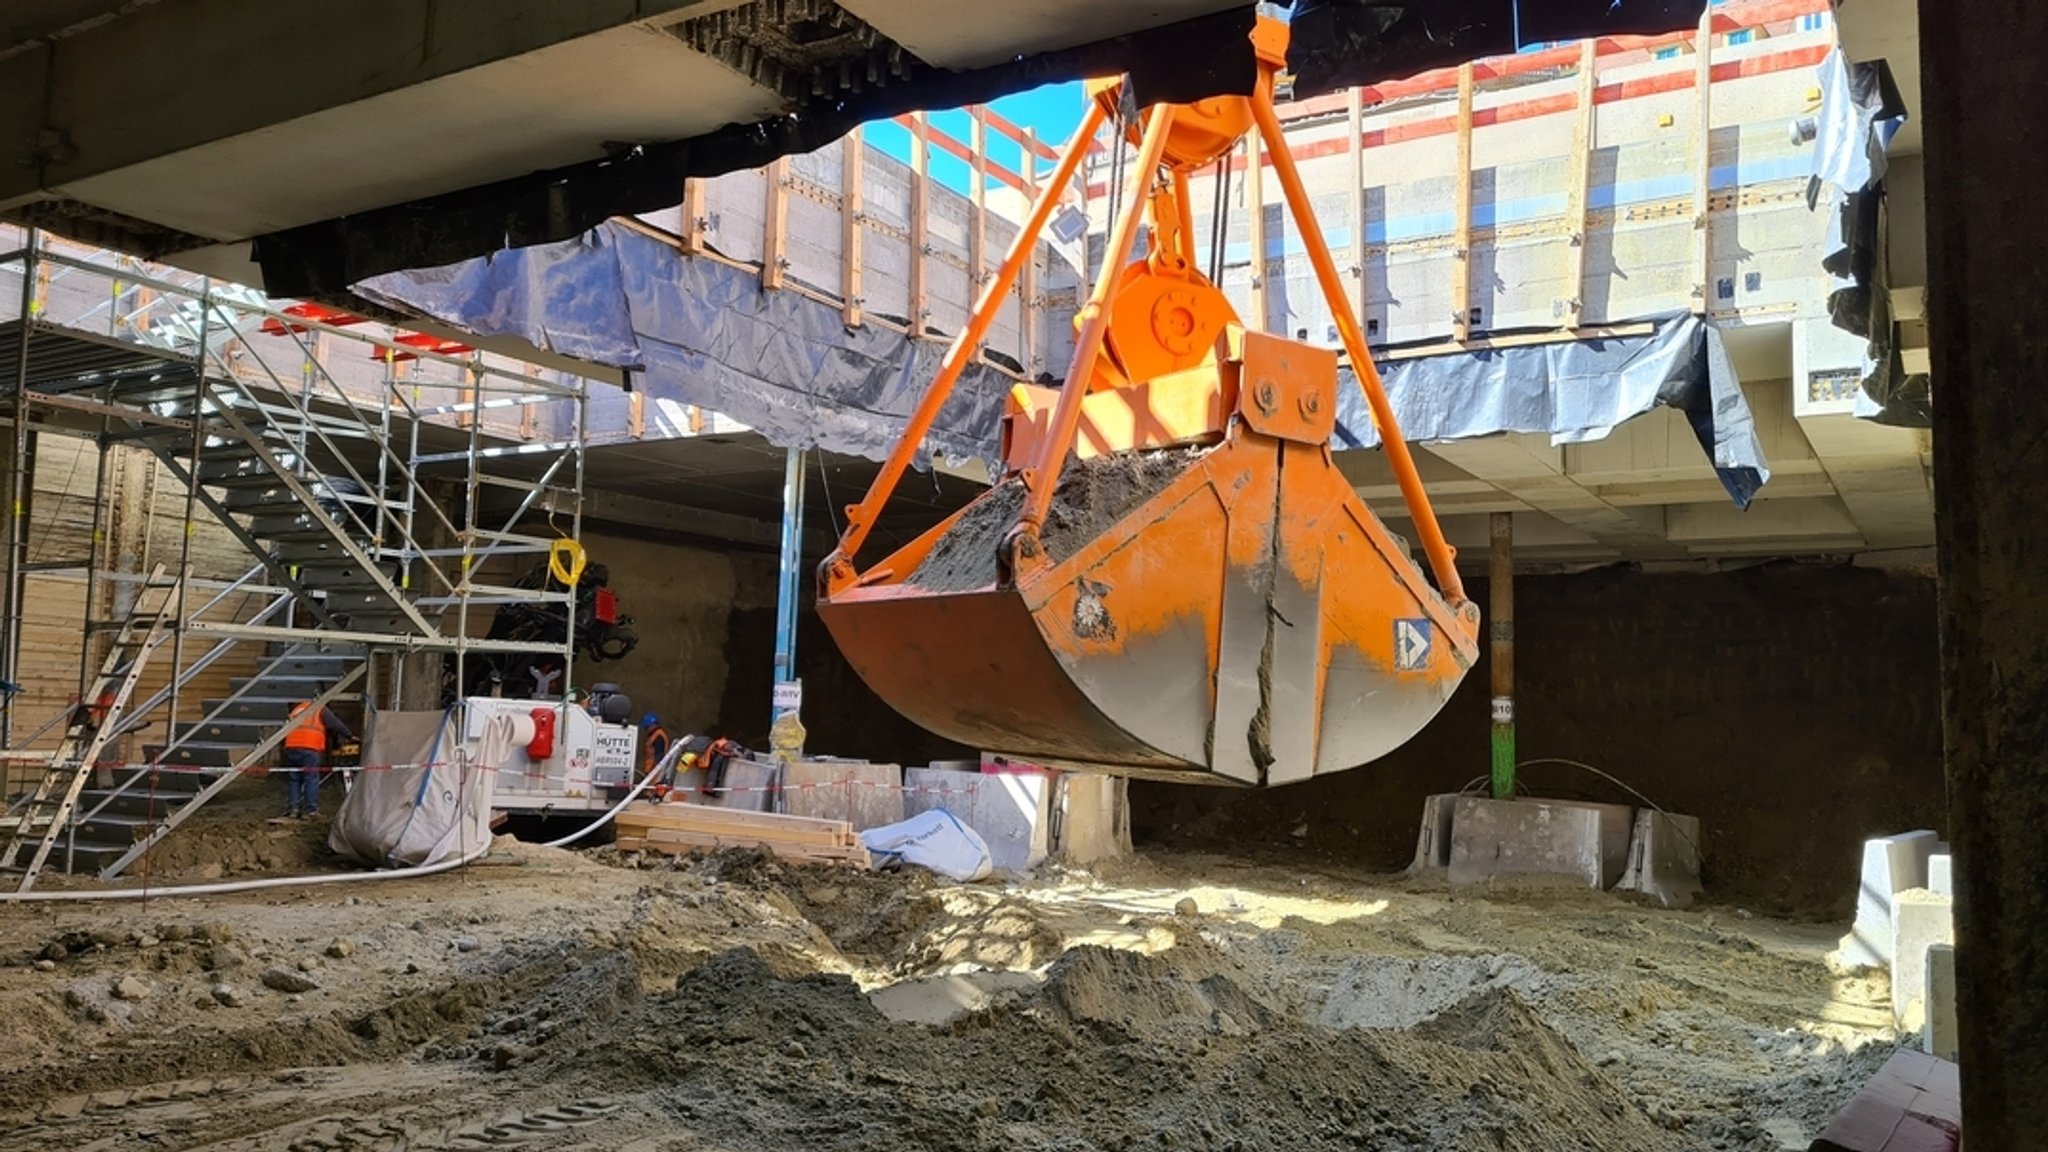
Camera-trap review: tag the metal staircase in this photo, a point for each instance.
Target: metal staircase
(362, 496)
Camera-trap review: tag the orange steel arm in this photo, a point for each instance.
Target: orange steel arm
(1022, 548)
(838, 570)
(1442, 559)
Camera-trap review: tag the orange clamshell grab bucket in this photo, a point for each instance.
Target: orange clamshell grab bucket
(1172, 578)
(1249, 622)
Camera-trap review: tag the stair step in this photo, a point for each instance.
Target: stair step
(327, 665)
(271, 710)
(267, 710)
(301, 687)
(353, 600)
(385, 623)
(227, 730)
(290, 526)
(198, 754)
(306, 553)
(240, 471)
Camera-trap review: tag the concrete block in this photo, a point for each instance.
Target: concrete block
(1891, 864)
(1940, 1037)
(1941, 874)
(1664, 857)
(1012, 811)
(749, 786)
(1433, 838)
(1094, 817)
(1920, 920)
(868, 795)
(1588, 842)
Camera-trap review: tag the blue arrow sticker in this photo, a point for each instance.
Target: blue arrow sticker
(1411, 645)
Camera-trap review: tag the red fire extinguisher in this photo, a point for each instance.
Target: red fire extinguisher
(542, 745)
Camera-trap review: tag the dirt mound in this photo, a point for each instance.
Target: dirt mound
(225, 844)
(1092, 494)
(1118, 1050)
(1151, 996)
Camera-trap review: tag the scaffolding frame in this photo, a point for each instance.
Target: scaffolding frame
(351, 432)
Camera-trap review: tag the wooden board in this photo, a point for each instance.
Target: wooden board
(694, 817)
(680, 843)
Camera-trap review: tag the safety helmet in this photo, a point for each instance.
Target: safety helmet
(650, 721)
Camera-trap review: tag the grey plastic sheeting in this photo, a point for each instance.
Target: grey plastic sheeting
(1860, 113)
(1574, 392)
(702, 332)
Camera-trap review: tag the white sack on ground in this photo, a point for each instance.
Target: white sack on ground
(935, 840)
(422, 803)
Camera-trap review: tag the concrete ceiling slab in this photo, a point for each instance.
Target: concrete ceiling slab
(561, 104)
(1888, 30)
(936, 32)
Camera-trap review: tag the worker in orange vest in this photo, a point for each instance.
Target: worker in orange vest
(305, 756)
(653, 743)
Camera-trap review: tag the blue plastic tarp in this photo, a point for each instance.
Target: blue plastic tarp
(703, 332)
(1573, 392)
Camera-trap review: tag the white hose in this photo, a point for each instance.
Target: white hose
(236, 886)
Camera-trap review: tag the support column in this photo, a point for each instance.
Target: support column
(786, 602)
(20, 479)
(1988, 310)
(1501, 654)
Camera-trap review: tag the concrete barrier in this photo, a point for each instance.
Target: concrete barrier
(1095, 818)
(749, 787)
(1664, 857)
(1940, 1037)
(1920, 920)
(1588, 842)
(1433, 838)
(867, 795)
(1012, 811)
(1891, 864)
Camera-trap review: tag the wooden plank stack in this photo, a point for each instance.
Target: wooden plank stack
(678, 829)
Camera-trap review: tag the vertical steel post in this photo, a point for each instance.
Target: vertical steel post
(18, 479)
(1501, 630)
(792, 564)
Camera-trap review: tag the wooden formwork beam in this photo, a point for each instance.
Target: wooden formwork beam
(920, 207)
(977, 226)
(1354, 145)
(1576, 203)
(852, 224)
(693, 217)
(1702, 156)
(775, 225)
(1255, 218)
(1461, 242)
(1027, 283)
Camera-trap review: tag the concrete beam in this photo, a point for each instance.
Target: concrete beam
(1882, 475)
(185, 76)
(1534, 471)
(1766, 528)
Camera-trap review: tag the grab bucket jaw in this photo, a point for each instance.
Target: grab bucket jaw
(1228, 612)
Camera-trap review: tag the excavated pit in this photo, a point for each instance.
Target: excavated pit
(612, 1000)
(1093, 494)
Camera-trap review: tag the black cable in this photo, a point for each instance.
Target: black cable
(831, 513)
(1218, 187)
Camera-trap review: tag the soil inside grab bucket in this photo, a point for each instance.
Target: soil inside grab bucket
(1093, 494)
